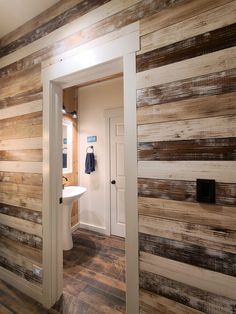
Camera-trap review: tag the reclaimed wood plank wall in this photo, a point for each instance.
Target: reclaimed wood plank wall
(186, 92)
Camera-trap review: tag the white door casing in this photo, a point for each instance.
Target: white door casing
(117, 179)
(125, 46)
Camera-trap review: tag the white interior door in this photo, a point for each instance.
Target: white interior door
(117, 176)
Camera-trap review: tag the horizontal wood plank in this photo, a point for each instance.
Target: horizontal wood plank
(150, 303)
(192, 297)
(21, 166)
(210, 237)
(215, 216)
(221, 171)
(213, 62)
(201, 86)
(19, 144)
(22, 190)
(31, 254)
(21, 201)
(21, 83)
(180, 190)
(21, 178)
(217, 17)
(22, 109)
(196, 255)
(204, 149)
(196, 108)
(22, 155)
(21, 237)
(189, 48)
(184, 10)
(17, 266)
(215, 127)
(23, 213)
(200, 278)
(21, 225)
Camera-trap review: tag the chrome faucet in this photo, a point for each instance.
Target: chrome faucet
(63, 184)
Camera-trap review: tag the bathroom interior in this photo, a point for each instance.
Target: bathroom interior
(93, 222)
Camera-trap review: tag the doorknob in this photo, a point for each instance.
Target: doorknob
(113, 181)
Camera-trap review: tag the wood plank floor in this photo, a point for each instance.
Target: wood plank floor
(94, 280)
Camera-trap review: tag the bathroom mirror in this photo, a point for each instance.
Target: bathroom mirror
(67, 150)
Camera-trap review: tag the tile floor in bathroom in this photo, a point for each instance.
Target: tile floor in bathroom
(94, 279)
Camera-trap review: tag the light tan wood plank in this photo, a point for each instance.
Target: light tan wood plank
(25, 143)
(180, 12)
(21, 166)
(24, 81)
(150, 303)
(19, 110)
(102, 12)
(17, 200)
(21, 224)
(218, 239)
(198, 213)
(21, 190)
(221, 171)
(216, 127)
(221, 60)
(194, 276)
(203, 107)
(21, 132)
(185, 28)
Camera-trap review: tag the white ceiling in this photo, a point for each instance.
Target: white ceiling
(14, 13)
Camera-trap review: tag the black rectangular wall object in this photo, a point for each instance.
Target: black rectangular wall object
(206, 191)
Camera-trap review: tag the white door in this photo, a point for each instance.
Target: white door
(117, 179)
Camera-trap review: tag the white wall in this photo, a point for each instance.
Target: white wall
(92, 101)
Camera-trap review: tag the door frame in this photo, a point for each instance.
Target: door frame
(108, 114)
(123, 46)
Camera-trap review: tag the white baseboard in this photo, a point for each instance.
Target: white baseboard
(92, 228)
(75, 227)
(22, 285)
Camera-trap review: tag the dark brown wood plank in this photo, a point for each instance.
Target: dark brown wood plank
(21, 178)
(23, 213)
(22, 155)
(66, 17)
(193, 297)
(205, 85)
(202, 149)
(219, 261)
(192, 47)
(184, 190)
(16, 235)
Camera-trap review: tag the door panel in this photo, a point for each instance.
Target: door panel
(117, 175)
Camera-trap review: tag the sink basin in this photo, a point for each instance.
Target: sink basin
(69, 195)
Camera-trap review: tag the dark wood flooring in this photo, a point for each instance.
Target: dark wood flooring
(94, 280)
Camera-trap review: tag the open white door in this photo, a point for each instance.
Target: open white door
(117, 150)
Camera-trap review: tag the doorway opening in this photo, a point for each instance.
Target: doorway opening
(56, 77)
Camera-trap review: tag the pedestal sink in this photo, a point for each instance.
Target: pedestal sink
(69, 194)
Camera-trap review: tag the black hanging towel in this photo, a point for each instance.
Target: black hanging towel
(89, 161)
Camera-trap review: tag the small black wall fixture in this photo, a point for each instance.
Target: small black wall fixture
(205, 191)
(73, 113)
